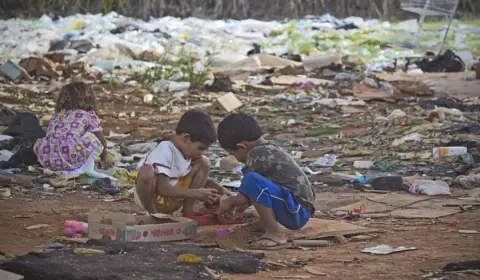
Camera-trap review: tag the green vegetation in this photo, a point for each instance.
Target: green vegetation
(183, 68)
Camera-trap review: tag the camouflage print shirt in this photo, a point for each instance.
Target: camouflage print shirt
(275, 164)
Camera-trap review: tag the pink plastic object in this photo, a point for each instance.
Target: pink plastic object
(223, 232)
(73, 228)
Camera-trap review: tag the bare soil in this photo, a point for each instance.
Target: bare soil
(438, 243)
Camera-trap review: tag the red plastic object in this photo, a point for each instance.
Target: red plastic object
(452, 224)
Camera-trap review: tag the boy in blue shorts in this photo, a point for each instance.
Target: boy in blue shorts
(273, 182)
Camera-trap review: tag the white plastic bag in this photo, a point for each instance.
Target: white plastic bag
(429, 187)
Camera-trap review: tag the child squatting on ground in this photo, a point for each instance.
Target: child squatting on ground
(273, 182)
(74, 138)
(175, 174)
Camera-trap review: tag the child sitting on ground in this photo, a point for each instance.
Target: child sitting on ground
(74, 138)
(175, 174)
(273, 182)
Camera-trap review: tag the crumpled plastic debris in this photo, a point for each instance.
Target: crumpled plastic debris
(386, 249)
(430, 187)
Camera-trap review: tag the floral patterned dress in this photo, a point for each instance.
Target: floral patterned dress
(70, 147)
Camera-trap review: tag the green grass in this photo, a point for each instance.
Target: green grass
(166, 69)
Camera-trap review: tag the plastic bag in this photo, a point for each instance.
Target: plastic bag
(429, 187)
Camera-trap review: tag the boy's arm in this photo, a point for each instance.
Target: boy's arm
(214, 185)
(164, 189)
(227, 205)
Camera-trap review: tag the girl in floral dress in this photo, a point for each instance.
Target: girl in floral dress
(74, 137)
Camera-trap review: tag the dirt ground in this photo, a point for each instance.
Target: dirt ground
(436, 241)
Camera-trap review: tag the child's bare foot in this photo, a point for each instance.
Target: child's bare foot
(270, 241)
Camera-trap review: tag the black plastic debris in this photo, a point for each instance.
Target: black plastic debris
(470, 128)
(448, 62)
(256, 49)
(450, 103)
(220, 84)
(105, 186)
(465, 265)
(293, 57)
(388, 183)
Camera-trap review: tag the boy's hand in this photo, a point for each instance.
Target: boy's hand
(226, 192)
(207, 195)
(225, 206)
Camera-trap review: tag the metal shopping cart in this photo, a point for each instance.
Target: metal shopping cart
(425, 8)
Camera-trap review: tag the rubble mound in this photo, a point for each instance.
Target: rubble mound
(132, 261)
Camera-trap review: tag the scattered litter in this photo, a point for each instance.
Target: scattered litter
(233, 184)
(326, 161)
(388, 183)
(362, 237)
(441, 152)
(397, 114)
(5, 192)
(178, 86)
(311, 243)
(189, 258)
(88, 252)
(148, 99)
(429, 187)
(37, 226)
(362, 164)
(12, 70)
(23, 216)
(314, 271)
(73, 228)
(54, 246)
(468, 182)
(386, 249)
(117, 135)
(468, 231)
(414, 137)
(223, 232)
(229, 102)
(6, 275)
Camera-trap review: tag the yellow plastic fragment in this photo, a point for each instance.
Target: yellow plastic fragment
(189, 258)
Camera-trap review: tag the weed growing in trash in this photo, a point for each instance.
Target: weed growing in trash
(183, 67)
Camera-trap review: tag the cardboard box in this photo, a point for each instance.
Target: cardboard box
(127, 227)
(229, 102)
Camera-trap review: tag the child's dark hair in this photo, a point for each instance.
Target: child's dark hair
(237, 128)
(198, 125)
(76, 95)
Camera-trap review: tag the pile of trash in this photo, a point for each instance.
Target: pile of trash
(90, 44)
(320, 86)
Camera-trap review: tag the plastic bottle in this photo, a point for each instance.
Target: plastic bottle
(72, 227)
(448, 152)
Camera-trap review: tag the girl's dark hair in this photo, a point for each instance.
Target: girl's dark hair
(198, 125)
(237, 128)
(77, 95)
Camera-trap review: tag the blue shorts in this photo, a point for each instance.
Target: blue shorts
(288, 212)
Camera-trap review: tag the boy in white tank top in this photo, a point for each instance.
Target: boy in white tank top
(175, 173)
